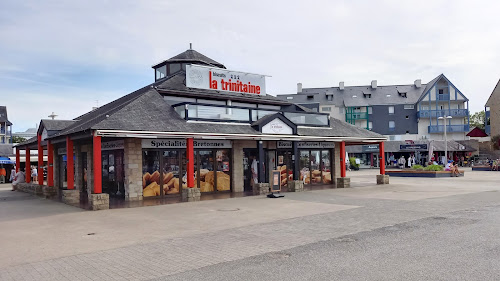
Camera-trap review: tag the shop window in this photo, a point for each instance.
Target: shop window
(391, 109)
(304, 167)
(150, 173)
(285, 165)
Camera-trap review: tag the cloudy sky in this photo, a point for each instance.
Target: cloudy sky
(67, 56)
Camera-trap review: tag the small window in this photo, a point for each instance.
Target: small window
(409, 106)
(354, 96)
(391, 109)
(161, 72)
(289, 98)
(388, 95)
(441, 91)
(407, 117)
(392, 124)
(329, 97)
(326, 108)
(370, 110)
(341, 110)
(370, 126)
(310, 97)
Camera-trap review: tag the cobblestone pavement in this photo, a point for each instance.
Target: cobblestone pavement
(365, 208)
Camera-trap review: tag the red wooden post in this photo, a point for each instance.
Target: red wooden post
(28, 165)
(70, 168)
(190, 162)
(382, 158)
(50, 164)
(40, 160)
(342, 159)
(18, 159)
(97, 164)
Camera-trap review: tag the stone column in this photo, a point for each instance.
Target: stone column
(132, 161)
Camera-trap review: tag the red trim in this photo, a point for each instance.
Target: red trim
(50, 164)
(96, 154)
(40, 160)
(342, 160)
(382, 158)
(70, 168)
(18, 159)
(27, 167)
(190, 162)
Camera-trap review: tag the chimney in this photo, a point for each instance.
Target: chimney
(341, 85)
(374, 84)
(190, 46)
(418, 83)
(299, 87)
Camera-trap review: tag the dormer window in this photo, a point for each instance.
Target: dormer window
(161, 72)
(367, 96)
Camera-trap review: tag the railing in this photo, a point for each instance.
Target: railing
(443, 97)
(449, 128)
(225, 113)
(356, 115)
(2, 131)
(443, 112)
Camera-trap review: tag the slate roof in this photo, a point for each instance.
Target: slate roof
(6, 150)
(55, 125)
(3, 115)
(191, 56)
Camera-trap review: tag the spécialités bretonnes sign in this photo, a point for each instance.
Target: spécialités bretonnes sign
(180, 143)
(219, 79)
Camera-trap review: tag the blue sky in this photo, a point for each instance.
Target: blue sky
(63, 56)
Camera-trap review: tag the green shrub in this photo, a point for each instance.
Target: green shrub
(434, 168)
(418, 167)
(352, 161)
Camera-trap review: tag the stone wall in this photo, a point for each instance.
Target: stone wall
(261, 188)
(237, 162)
(133, 169)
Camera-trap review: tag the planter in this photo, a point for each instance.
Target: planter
(483, 168)
(421, 174)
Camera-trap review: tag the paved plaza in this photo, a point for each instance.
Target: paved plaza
(412, 229)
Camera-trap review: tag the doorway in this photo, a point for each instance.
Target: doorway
(249, 156)
(112, 173)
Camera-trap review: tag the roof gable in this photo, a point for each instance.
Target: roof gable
(495, 90)
(190, 56)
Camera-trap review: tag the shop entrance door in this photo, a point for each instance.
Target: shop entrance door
(63, 176)
(285, 165)
(112, 173)
(249, 156)
(270, 164)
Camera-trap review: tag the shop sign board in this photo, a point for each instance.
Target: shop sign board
(113, 145)
(181, 143)
(370, 148)
(213, 78)
(413, 147)
(306, 144)
(276, 184)
(277, 126)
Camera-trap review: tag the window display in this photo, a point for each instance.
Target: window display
(285, 165)
(151, 174)
(206, 174)
(171, 172)
(223, 171)
(304, 167)
(315, 166)
(326, 167)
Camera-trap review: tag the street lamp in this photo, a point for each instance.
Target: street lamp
(445, 137)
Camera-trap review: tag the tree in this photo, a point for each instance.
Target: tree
(477, 119)
(16, 139)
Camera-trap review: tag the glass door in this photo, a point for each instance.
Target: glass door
(326, 167)
(206, 176)
(223, 160)
(150, 173)
(315, 166)
(305, 172)
(285, 164)
(171, 173)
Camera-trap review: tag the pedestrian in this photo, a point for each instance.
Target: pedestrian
(20, 177)
(12, 174)
(34, 175)
(402, 162)
(255, 172)
(3, 174)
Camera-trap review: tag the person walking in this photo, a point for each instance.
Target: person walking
(12, 174)
(34, 175)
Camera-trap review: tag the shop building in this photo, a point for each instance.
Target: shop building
(198, 129)
(400, 112)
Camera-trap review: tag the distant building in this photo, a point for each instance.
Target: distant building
(400, 112)
(5, 127)
(28, 134)
(492, 112)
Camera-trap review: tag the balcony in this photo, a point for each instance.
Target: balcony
(444, 112)
(449, 128)
(225, 113)
(443, 97)
(356, 115)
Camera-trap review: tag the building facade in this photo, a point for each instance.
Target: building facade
(401, 112)
(492, 112)
(5, 127)
(199, 127)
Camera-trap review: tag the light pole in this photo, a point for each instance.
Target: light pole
(445, 137)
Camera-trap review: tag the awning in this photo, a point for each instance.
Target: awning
(6, 160)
